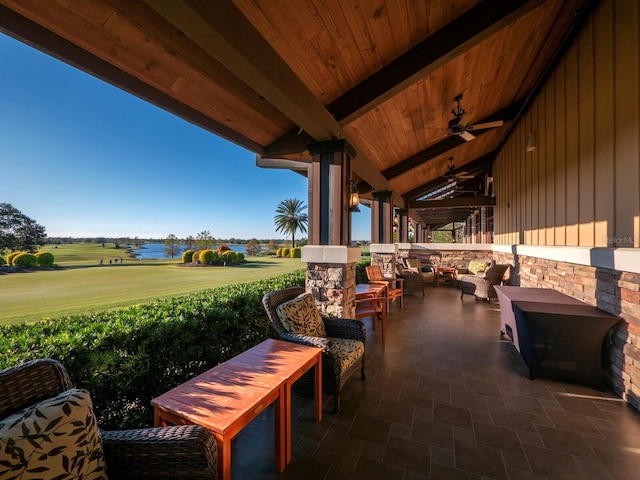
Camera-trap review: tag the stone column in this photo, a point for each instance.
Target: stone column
(403, 226)
(331, 278)
(385, 255)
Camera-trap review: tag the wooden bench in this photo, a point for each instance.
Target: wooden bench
(557, 335)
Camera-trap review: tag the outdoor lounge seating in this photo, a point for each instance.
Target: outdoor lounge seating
(481, 284)
(415, 265)
(342, 340)
(155, 453)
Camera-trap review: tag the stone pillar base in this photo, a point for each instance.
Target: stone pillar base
(331, 278)
(385, 255)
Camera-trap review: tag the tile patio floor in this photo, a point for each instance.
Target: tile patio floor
(447, 398)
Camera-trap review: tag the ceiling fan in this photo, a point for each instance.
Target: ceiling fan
(460, 123)
(453, 176)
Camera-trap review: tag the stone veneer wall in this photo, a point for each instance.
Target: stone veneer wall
(387, 263)
(613, 291)
(333, 286)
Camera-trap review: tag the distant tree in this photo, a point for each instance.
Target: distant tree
(19, 232)
(273, 245)
(290, 218)
(204, 239)
(253, 247)
(137, 242)
(171, 246)
(190, 242)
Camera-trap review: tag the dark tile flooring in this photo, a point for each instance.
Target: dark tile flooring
(447, 398)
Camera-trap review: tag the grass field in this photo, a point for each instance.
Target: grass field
(80, 285)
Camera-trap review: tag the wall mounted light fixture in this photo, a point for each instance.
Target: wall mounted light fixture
(354, 196)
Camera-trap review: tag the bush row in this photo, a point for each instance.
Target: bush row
(213, 257)
(289, 252)
(127, 357)
(26, 259)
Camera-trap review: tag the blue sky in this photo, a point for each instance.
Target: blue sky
(85, 159)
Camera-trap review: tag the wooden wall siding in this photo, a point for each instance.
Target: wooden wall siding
(581, 185)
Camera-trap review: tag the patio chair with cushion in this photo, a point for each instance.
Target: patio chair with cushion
(296, 318)
(47, 426)
(426, 271)
(481, 284)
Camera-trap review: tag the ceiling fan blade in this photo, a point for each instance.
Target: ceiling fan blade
(467, 136)
(481, 126)
(465, 119)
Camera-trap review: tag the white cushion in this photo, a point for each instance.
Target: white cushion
(57, 438)
(301, 316)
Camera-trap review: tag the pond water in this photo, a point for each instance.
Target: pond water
(155, 251)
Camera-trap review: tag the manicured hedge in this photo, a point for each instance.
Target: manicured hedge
(361, 272)
(127, 357)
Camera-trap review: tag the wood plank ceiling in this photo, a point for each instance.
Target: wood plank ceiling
(276, 75)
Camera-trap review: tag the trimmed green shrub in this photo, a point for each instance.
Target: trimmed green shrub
(240, 257)
(187, 256)
(285, 252)
(2, 262)
(295, 252)
(45, 259)
(229, 257)
(11, 257)
(25, 259)
(127, 357)
(279, 252)
(361, 272)
(195, 258)
(208, 257)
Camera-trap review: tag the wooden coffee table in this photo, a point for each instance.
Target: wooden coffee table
(229, 396)
(445, 273)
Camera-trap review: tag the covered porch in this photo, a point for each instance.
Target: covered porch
(446, 397)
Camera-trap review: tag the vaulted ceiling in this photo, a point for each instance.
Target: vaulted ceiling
(276, 75)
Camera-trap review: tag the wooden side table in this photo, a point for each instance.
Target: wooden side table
(371, 301)
(229, 396)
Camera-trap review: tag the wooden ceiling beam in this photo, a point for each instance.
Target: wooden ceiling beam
(472, 166)
(454, 202)
(454, 39)
(228, 36)
(507, 114)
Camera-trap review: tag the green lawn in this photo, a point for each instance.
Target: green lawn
(80, 285)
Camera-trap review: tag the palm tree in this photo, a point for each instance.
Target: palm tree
(289, 218)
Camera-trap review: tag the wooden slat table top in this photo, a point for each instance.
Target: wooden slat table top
(238, 386)
(363, 289)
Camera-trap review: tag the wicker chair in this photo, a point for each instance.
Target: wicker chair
(332, 378)
(158, 453)
(482, 286)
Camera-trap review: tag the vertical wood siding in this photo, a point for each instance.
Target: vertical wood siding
(581, 185)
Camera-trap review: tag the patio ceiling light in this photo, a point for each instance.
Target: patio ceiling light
(354, 196)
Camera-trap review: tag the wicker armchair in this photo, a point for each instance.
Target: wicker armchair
(158, 453)
(332, 378)
(482, 285)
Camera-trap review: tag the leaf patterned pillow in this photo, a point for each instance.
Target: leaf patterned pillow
(301, 316)
(56, 439)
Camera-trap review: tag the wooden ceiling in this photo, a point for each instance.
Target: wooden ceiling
(276, 75)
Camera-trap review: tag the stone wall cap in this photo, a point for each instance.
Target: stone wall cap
(383, 248)
(330, 254)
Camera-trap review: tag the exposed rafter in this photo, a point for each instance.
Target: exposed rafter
(472, 166)
(463, 33)
(454, 202)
